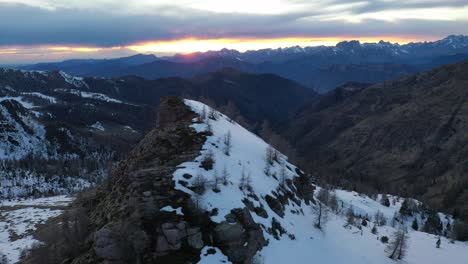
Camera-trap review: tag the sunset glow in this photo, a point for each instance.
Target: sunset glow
(51, 30)
(193, 44)
(181, 46)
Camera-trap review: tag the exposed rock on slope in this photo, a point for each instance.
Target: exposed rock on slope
(161, 222)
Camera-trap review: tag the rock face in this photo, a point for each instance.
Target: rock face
(239, 230)
(130, 226)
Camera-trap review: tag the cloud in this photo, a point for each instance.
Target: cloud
(55, 24)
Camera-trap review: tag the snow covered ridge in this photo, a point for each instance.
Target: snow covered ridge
(95, 96)
(75, 81)
(237, 169)
(20, 133)
(51, 99)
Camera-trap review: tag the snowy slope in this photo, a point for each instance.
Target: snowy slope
(301, 241)
(20, 134)
(21, 217)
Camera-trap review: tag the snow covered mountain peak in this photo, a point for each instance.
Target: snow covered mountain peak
(236, 169)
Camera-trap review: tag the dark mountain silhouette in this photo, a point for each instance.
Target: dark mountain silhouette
(406, 136)
(321, 68)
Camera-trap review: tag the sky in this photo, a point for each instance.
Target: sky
(53, 30)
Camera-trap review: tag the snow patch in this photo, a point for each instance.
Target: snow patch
(51, 99)
(169, 208)
(75, 81)
(212, 255)
(20, 220)
(97, 126)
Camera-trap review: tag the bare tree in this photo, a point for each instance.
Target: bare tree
(243, 179)
(282, 175)
(199, 183)
(197, 201)
(230, 110)
(269, 159)
(350, 217)
(270, 155)
(208, 160)
(333, 202)
(225, 176)
(323, 195)
(379, 218)
(209, 128)
(203, 114)
(227, 140)
(245, 182)
(216, 181)
(213, 115)
(398, 246)
(321, 217)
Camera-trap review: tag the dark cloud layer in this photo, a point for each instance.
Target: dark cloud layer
(26, 25)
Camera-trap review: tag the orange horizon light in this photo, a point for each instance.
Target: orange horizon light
(192, 45)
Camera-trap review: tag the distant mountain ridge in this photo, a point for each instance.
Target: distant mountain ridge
(406, 136)
(321, 68)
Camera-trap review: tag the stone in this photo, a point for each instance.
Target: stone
(106, 246)
(196, 240)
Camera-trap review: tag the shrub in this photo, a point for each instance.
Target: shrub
(384, 239)
(208, 160)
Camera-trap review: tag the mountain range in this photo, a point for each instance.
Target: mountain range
(320, 68)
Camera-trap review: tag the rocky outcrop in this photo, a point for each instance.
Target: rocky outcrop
(239, 236)
(130, 226)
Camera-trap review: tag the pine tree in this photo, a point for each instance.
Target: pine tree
(404, 207)
(385, 201)
(433, 224)
(415, 225)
